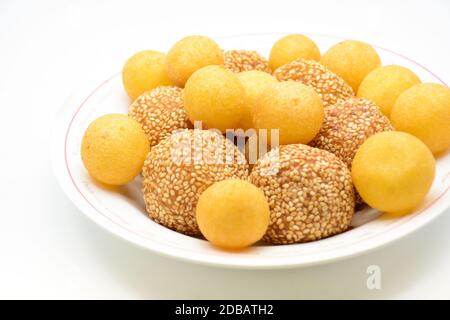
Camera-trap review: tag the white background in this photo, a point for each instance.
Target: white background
(48, 249)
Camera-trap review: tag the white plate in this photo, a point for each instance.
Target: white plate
(122, 211)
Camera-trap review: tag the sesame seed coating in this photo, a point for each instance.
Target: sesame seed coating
(310, 195)
(160, 112)
(328, 85)
(180, 168)
(347, 125)
(245, 60)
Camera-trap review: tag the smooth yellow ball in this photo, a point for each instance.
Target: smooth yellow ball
(351, 60)
(233, 214)
(393, 171)
(293, 108)
(114, 148)
(190, 54)
(215, 96)
(424, 111)
(254, 82)
(384, 84)
(292, 47)
(144, 71)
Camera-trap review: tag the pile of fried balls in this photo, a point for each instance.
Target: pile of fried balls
(350, 132)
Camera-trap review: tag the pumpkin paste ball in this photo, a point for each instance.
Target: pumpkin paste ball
(254, 82)
(190, 54)
(393, 171)
(310, 193)
(352, 60)
(293, 108)
(215, 96)
(384, 84)
(347, 125)
(114, 148)
(245, 60)
(424, 111)
(330, 87)
(292, 47)
(180, 168)
(160, 112)
(143, 72)
(232, 214)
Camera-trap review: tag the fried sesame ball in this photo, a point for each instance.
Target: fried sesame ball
(232, 214)
(215, 96)
(328, 85)
(245, 60)
(180, 168)
(293, 108)
(393, 171)
(160, 112)
(144, 71)
(347, 125)
(190, 54)
(254, 82)
(292, 47)
(352, 60)
(113, 149)
(309, 190)
(424, 111)
(384, 84)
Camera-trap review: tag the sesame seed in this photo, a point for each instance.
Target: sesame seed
(347, 125)
(317, 174)
(330, 87)
(160, 112)
(245, 60)
(171, 188)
